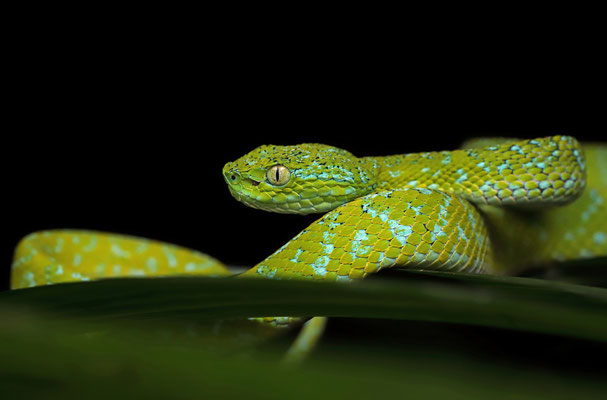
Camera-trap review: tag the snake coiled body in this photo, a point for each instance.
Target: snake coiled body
(490, 209)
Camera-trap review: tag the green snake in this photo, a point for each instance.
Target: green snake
(494, 206)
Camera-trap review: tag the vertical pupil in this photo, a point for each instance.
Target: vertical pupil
(277, 174)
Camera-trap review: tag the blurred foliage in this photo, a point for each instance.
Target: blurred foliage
(415, 334)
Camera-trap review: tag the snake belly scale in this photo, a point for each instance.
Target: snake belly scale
(492, 207)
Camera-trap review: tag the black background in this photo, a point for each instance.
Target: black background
(128, 131)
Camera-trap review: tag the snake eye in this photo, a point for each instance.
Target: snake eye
(278, 175)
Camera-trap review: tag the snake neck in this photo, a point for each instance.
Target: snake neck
(536, 172)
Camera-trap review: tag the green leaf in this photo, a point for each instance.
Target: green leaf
(77, 340)
(507, 302)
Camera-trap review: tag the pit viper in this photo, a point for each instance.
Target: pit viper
(493, 206)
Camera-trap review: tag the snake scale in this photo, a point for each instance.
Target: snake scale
(494, 206)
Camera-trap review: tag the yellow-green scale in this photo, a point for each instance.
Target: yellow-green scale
(578, 230)
(402, 227)
(533, 172)
(524, 175)
(48, 257)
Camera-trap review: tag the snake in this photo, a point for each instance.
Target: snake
(493, 206)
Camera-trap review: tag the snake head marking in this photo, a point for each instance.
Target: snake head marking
(299, 179)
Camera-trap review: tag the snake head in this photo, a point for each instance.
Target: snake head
(299, 179)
